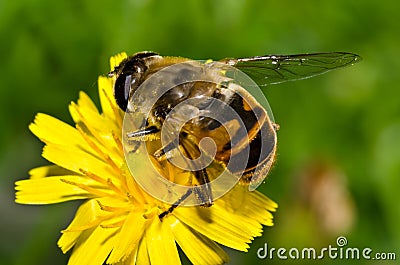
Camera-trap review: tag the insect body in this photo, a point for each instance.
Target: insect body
(192, 100)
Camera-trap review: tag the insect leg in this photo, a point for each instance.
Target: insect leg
(145, 134)
(203, 192)
(142, 135)
(160, 153)
(176, 204)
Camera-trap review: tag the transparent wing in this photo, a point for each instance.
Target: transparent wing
(272, 69)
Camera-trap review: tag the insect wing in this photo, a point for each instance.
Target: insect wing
(273, 69)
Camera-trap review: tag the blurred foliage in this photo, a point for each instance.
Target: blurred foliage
(343, 126)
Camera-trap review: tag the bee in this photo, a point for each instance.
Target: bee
(187, 84)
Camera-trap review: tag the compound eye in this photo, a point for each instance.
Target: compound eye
(122, 89)
(127, 80)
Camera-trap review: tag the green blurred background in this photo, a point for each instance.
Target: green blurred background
(339, 144)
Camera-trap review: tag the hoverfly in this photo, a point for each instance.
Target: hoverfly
(260, 139)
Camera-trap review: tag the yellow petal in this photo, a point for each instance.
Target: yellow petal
(161, 244)
(131, 260)
(128, 237)
(198, 248)
(230, 227)
(142, 253)
(51, 130)
(92, 120)
(86, 213)
(75, 160)
(117, 59)
(222, 229)
(52, 170)
(259, 207)
(110, 109)
(106, 93)
(86, 103)
(84, 108)
(52, 189)
(253, 204)
(93, 246)
(97, 128)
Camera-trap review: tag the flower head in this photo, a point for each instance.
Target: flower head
(118, 222)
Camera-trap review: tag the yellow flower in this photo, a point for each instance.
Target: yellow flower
(118, 223)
